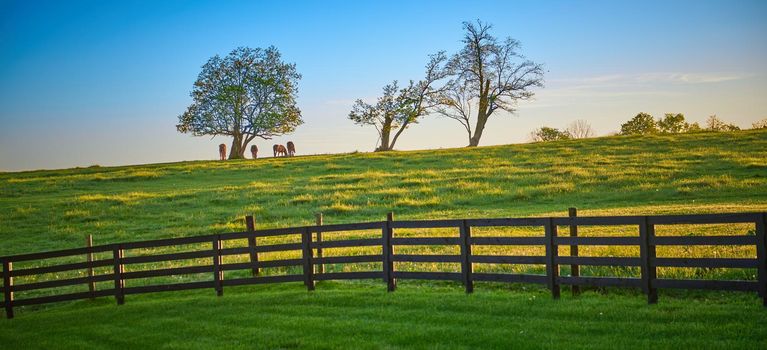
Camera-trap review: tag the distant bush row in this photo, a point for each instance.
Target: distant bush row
(641, 124)
(644, 123)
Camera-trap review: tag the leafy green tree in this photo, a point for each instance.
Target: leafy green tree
(397, 109)
(641, 124)
(549, 134)
(673, 123)
(247, 94)
(488, 75)
(713, 123)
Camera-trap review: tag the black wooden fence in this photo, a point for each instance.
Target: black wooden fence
(311, 261)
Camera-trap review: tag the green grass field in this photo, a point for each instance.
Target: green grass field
(690, 173)
(364, 316)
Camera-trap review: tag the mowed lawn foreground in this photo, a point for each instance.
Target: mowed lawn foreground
(690, 173)
(361, 316)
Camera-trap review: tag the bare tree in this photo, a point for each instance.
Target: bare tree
(397, 109)
(713, 123)
(488, 75)
(580, 129)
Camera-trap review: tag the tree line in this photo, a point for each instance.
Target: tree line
(641, 124)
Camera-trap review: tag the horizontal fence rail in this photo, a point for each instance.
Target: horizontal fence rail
(309, 262)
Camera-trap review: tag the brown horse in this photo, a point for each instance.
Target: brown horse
(254, 151)
(279, 150)
(222, 151)
(291, 149)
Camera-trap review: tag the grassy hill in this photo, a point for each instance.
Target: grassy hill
(690, 173)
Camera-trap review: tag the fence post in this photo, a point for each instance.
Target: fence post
(89, 256)
(552, 269)
(647, 255)
(117, 255)
(388, 264)
(218, 275)
(761, 255)
(8, 288)
(306, 241)
(320, 267)
(466, 268)
(575, 269)
(251, 224)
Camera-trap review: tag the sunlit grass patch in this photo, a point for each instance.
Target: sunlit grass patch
(129, 175)
(303, 198)
(339, 207)
(124, 198)
(707, 181)
(391, 192)
(417, 202)
(257, 185)
(74, 213)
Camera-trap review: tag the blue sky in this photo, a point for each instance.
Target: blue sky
(102, 82)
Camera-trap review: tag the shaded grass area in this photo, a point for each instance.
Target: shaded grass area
(363, 316)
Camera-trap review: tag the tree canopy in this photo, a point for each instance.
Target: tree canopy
(247, 94)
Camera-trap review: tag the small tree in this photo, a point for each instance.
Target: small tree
(580, 129)
(713, 123)
(546, 133)
(673, 123)
(398, 108)
(249, 93)
(694, 127)
(641, 124)
(381, 115)
(762, 124)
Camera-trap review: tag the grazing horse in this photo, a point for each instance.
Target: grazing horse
(280, 150)
(291, 149)
(254, 151)
(222, 151)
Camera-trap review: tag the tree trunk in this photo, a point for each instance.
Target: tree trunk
(396, 136)
(237, 151)
(385, 134)
(474, 140)
(482, 115)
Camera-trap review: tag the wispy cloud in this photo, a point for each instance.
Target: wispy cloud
(653, 77)
(613, 87)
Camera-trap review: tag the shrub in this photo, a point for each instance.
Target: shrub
(713, 123)
(641, 124)
(673, 123)
(546, 133)
(762, 124)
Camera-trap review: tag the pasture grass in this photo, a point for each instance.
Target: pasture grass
(417, 315)
(659, 174)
